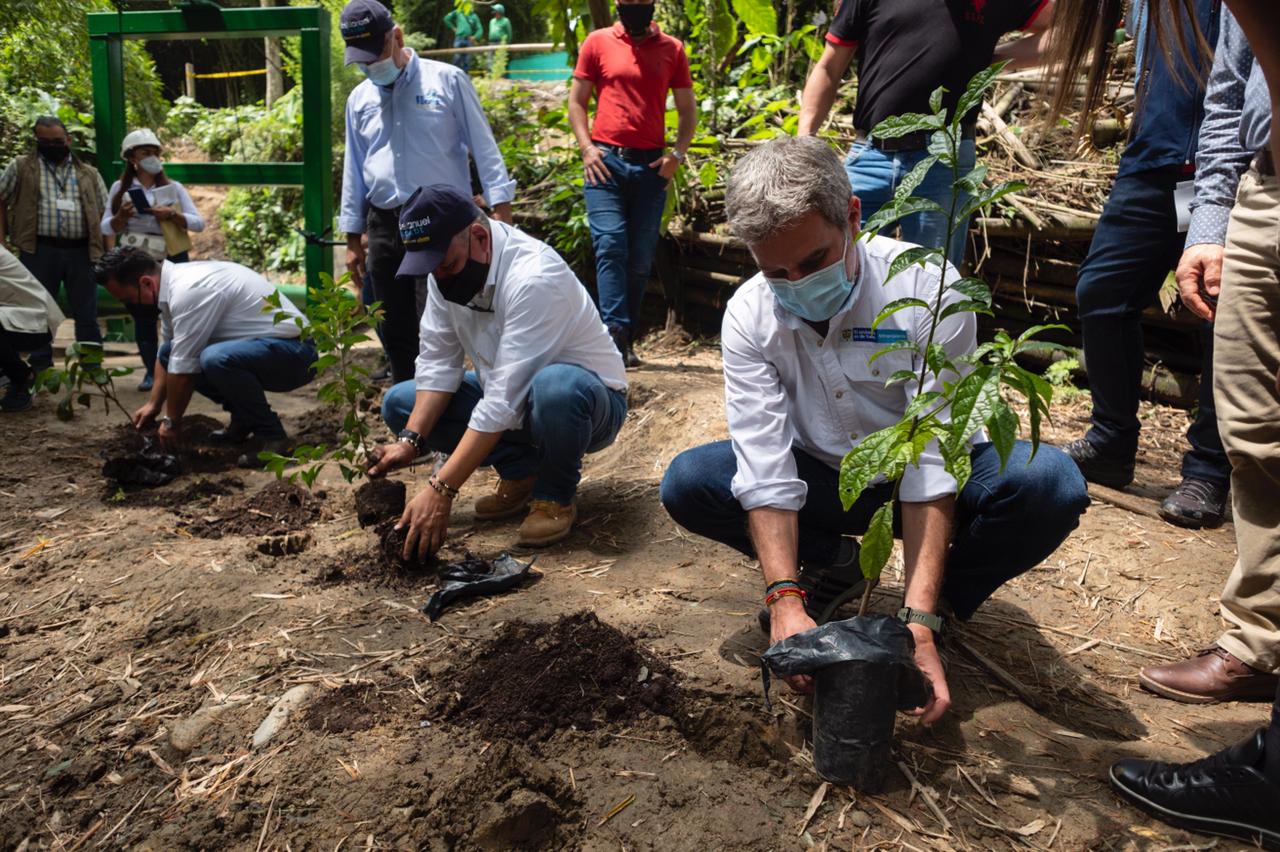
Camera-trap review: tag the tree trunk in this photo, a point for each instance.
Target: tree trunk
(601, 14)
(275, 78)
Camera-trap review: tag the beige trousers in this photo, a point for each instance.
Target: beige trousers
(1246, 357)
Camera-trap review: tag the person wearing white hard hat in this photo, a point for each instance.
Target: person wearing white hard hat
(149, 210)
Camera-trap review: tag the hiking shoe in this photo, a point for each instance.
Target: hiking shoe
(510, 499)
(233, 433)
(147, 383)
(1111, 471)
(1226, 794)
(382, 374)
(15, 400)
(1195, 503)
(546, 523)
(828, 587)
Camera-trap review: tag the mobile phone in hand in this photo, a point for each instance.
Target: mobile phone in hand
(140, 202)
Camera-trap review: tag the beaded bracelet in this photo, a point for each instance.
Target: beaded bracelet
(442, 488)
(786, 591)
(778, 583)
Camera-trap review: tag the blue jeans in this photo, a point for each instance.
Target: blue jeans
(570, 413)
(1005, 523)
(625, 215)
(874, 175)
(462, 60)
(58, 266)
(1136, 244)
(235, 374)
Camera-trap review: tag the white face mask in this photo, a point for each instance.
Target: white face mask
(151, 165)
(383, 72)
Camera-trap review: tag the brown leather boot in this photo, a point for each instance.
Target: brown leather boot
(547, 523)
(510, 499)
(1211, 676)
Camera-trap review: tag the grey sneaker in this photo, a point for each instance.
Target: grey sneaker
(1095, 466)
(1195, 503)
(828, 587)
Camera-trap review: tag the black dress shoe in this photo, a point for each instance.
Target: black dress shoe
(828, 587)
(1111, 471)
(1225, 794)
(1195, 503)
(232, 433)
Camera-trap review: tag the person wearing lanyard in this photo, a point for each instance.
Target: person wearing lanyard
(801, 390)
(905, 49)
(412, 123)
(51, 205)
(166, 201)
(630, 67)
(1139, 240)
(547, 386)
(29, 317)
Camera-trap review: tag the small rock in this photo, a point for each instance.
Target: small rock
(285, 545)
(279, 715)
(185, 735)
(860, 819)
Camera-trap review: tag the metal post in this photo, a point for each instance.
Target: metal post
(191, 80)
(107, 57)
(317, 148)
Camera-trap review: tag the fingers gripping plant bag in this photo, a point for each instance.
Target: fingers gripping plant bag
(864, 672)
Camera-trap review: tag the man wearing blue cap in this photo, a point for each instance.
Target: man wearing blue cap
(548, 386)
(412, 123)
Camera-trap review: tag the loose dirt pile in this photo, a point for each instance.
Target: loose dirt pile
(532, 680)
(198, 453)
(198, 492)
(280, 507)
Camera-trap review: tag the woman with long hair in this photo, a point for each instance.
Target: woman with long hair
(159, 227)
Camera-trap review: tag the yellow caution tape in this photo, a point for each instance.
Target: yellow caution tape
(222, 74)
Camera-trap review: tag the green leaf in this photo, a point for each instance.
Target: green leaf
(865, 461)
(957, 461)
(909, 122)
(920, 402)
(897, 346)
(937, 361)
(900, 376)
(973, 288)
(758, 16)
(1034, 331)
(987, 196)
(916, 255)
(976, 90)
(898, 305)
(973, 400)
(964, 307)
(707, 174)
(894, 211)
(935, 99)
(877, 542)
(64, 410)
(1002, 427)
(913, 179)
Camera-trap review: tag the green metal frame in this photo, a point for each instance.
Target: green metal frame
(107, 32)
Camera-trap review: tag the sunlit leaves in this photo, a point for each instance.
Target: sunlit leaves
(877, 542)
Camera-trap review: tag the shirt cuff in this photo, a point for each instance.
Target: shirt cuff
(785, 494)
(1208, 225)
(444, 380)
(492, 415)
(183, 366)
(500, 193)
(929, 481)
(351, 225)
(841, 42)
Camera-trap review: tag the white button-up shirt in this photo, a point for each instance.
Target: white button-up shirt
(415, 134)
(786, 386)
(172, 194)
(25, 305)
(210, 301)
(532, 312)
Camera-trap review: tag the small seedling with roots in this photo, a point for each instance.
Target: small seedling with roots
(83, 377)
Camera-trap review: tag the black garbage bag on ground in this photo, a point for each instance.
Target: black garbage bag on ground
(148, 467)
(473, 577)
(864, 672)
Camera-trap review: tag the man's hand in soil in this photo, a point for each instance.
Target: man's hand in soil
(1199, 277)
(427, 517)
(787, 618)
(389, 457)
(145, 415)
(931, 667)
(170, 435)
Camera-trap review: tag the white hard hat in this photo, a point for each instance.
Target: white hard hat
(142, 136)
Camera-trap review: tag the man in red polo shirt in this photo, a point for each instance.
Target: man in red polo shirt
(630, 67)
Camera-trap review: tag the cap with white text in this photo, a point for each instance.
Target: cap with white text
(364, 26)
(432, 217)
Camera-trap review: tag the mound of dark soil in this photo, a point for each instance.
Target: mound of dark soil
(348, 709)
(391, 546)
(198, 454)
(280, 507)
(534, 679)
(509, 800)
(201, 491)
(379, 500)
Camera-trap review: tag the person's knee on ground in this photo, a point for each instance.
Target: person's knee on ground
(397, 405)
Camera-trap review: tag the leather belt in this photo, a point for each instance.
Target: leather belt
(635, 155)
(1263, 163)
(917, 141)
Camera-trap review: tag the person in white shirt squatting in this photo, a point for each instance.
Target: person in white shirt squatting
(548, 387)
(215, 338)
(801, 390)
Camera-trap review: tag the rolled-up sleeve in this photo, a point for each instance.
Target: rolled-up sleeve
(191, 323)
(531, 327)
(1220, 157)
(195, 222)
(958, 336)
(759, 425)
(477, 135)
(441, 359)
(354, 207)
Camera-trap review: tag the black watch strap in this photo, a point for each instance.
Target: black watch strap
(412, 437)
(936, 623)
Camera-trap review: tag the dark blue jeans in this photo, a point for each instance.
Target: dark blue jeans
(1136, 244)
(56, 266)
(570, 413)
(236, 373)
(625, 214)
(462, 60)
(1005, 523)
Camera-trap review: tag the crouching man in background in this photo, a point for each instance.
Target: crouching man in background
(548, 386)
(801, 390)
(215, 338)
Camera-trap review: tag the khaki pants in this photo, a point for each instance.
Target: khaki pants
(1247, 355)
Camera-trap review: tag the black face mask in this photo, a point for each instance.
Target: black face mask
(54, 152)
(462, 287)
(636, 17)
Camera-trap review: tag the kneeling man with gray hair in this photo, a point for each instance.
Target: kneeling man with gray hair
(801, 390)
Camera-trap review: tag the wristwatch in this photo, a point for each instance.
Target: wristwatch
(408, 436)
(166, 420)
(678, 154)
(936, 623)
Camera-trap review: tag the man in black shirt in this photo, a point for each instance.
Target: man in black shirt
(906, 49)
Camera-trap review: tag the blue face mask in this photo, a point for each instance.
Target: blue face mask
(383, 72)
(815, 297)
